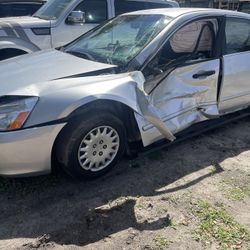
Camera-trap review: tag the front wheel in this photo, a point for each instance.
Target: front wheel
(91, 147)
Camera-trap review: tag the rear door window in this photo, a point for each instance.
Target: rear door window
(237, 35)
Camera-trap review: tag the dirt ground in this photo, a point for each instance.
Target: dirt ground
(193, 195)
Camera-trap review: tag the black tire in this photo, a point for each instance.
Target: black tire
(68, 144)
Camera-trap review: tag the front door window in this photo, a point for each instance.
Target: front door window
(192, 43)
(95, 10)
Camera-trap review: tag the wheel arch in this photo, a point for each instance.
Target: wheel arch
(10, 53)
(17, 43)
(124, 112)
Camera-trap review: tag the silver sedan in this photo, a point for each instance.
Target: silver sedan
(134, 81)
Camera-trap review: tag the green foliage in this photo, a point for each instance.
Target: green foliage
(161, 242)
(216, 223)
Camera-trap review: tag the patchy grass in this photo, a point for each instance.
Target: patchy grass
(236, 193)
(217, 224)
(236, 189)
(170, 222)
(140, 204)
(161, 242)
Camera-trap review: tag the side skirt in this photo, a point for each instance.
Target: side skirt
(196, 130)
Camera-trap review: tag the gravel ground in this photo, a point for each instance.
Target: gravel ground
(193, 195)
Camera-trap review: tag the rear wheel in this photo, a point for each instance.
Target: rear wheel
(90, 148)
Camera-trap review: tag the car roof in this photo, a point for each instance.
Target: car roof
(176, 12)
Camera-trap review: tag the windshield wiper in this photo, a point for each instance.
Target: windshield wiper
(37, 16)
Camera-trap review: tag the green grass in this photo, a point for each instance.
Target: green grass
(216, 224)
(139, 206)
(170, 222)
(237, 193)
(236, 190)
(161, 242)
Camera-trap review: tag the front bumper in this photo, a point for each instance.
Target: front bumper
(27, 152)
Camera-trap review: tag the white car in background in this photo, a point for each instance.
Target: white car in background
(59, 22)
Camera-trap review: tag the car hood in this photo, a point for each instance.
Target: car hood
(23, 22)
(18, 74)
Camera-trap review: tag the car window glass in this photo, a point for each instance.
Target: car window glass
(192, 43)
(237, 35)
(244, 7)
(119, 40)
(156, 5)
(52, 10)
(122, 6)
(9, 10)
(95, 10)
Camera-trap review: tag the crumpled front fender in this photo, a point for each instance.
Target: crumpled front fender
(131, 94)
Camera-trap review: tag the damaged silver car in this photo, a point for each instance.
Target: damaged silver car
(140, 78)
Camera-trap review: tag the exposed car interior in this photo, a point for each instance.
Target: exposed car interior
(193, 42)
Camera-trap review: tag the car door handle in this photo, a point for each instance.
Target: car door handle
(204, 74)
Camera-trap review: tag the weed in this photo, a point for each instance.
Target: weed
(161, 242)
(217, 224)
(236, 190)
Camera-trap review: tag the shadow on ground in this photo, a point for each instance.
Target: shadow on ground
(67, 210)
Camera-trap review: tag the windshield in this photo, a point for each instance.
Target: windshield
(119, 40)
(52, 10)
(245, 7)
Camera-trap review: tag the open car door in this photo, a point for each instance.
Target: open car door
(182, 81)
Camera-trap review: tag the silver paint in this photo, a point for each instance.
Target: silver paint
(235, 91)
(98, 148)
(27, 152)
(178, 101)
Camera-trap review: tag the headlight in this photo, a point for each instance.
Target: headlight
(14, 111)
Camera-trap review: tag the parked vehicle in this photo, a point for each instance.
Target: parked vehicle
(12, 8)
(141, 77)
(59, 22)
(244, 6)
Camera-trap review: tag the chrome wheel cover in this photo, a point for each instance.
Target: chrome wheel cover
(98, 148)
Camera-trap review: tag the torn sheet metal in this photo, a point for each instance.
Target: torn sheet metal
(150, 113)
(147, 110)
